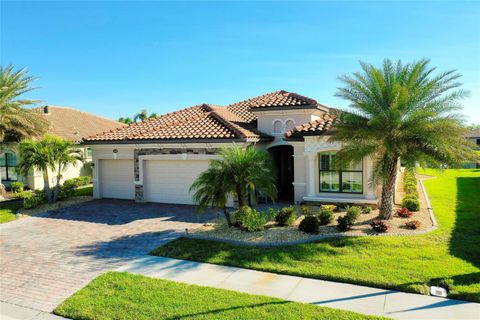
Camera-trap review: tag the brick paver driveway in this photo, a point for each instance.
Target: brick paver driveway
(44, 260)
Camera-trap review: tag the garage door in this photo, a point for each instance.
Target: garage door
(168, 181)
(117, 179)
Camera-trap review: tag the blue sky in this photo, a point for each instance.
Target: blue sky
(114, 58)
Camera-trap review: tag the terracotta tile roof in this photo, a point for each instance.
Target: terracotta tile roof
(314, 127)
(473, 133)
(74, 124)
(197, 122)
(274, 99)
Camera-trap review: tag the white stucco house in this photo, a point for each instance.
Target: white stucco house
(158, 159)
(68, 123)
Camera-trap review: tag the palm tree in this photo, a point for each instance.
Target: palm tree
(142, 115)
(37, 154)
(212, 189)
(239, 171)
(400, 111)
(126, 120)
(17, 122)
(64, 154)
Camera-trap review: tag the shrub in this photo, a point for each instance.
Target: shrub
(271, 214)
(23, 194)
(82, 180)
(68, 189)
(413, 224)
(309, 224)
(331, 207)
(353, 213)
(305, 210)
(411, 203)
(237, 215)
(286, 216)
(380, 226)
(17, 186)
(343, 223)
(404, 213)
(366, 210)
(325, 216)
(252, 220)
(33, 201)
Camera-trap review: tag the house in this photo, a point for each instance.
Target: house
(158, 159)
(69, 124)
(474, 137)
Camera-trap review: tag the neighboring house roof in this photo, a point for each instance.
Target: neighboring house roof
(315, 127)
(473, 133)
(199, 122)
(73, 124)
(208, 122)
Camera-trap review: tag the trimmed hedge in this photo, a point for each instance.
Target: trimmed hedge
(410, 200)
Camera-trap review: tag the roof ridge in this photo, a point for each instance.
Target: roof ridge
(230, 125)
(80, 111)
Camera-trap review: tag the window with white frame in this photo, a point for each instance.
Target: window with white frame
(8, 166)
(345, 180)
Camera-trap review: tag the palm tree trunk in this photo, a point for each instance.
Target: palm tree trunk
(242, 197)
(46, 186)
(227, 216)
(56, 191)
(388, 190)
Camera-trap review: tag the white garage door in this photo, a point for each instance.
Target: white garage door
(168, 181)
(117, 179)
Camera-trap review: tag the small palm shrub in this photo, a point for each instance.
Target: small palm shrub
(366, 210)
(286, 216)
(413, 224)
(305, 210)
(411, 203)
(380, 226)
(404, 213)
(325, 215)
(17, 186)
(309, 224)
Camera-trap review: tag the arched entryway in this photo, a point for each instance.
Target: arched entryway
(283, 162)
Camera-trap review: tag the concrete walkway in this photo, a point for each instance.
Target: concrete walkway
(10, 311)
(361, 299)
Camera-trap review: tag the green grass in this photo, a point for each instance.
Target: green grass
(448, 255)
(84, 191)
(7, 211)
(125, 296)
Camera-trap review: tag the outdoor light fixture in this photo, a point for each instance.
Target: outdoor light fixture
(438, 291)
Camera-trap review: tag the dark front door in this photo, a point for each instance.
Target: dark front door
(283, 160)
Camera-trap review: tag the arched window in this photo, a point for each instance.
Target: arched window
(277, 126)
(8, 164)
(289, 125)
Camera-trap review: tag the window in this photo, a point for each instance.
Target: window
(8, 165)
(478, 142)
(289, 125)
(346, 180)
(277, 126)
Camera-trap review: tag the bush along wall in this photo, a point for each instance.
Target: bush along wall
(410, 201)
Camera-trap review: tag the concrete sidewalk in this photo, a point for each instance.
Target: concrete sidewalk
(366, 300)
(10, 311)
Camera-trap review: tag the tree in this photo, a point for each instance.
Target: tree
(239, 171)
(212, 188)
(126, 120)
(64, 154)
(17, 122)
(142, 115)
(400, 111)
(50, 153)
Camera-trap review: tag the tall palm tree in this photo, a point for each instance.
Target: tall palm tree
(17, 122)
(64, 154)
(239, 171)
(400, 111)
(212, 188)
(142, 115)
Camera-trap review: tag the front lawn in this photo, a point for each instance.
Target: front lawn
(125, 296)
(7, 211)
(84, 191)
(448, 256)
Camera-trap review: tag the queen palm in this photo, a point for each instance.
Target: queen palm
(17, 122)
(400, 111)
(240, 172)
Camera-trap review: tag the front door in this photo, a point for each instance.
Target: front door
(283, 161)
